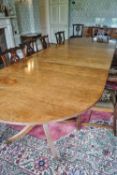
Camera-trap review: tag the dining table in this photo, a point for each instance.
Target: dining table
(54, 84)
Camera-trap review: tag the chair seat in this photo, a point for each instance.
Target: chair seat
(96, 125)
(105, 103)
(106, 107)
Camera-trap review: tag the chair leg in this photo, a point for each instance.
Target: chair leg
(114, 97)
(36, 45)
(24, 51)
(78, 122)
(114, 125)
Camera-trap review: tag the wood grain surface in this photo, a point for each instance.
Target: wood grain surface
(56, 83)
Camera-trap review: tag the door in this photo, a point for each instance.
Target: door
(59, 12)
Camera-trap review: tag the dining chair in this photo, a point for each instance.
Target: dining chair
(34, 37)
(113, 34)
(60, 37)
(112, 79)
(110, 104)
(13, 55)
(78, 30)
(28, 47)
(113, 69)
(101, 107)
(44, 41)
(111, 83)
(3, 59)
(33, 44)
(100, 35)
(89, 32)
(23, 48)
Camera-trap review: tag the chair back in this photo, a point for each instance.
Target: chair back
(3, 59)
(13, 55)
(89, 32)
(23, 48)
(114, 61)
(44, 41)
(60, 37)
(78, 30)
(28, 47)
(100, 35)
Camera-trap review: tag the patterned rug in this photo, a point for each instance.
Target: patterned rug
(85, 152)
(89, 151)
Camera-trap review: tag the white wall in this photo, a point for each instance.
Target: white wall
(91, 12)
(44, 16)
(28, 16)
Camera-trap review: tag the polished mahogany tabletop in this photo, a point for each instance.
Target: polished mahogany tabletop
(56, 83)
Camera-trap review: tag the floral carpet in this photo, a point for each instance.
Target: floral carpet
(85, 152)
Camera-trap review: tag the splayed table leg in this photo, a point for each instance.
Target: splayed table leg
(54, 151)
(20, 134)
